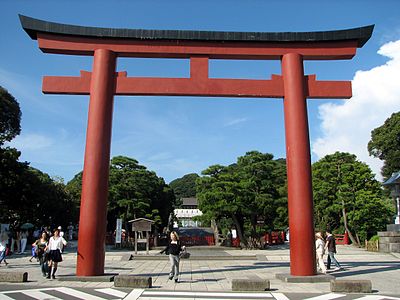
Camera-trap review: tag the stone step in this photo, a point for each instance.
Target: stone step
(351, 286)
(13, 276)
(389, 247)
(389, 233)
(389, 239)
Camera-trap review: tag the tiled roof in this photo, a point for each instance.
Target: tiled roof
(33, 26)
(394, 179)
(189, 201)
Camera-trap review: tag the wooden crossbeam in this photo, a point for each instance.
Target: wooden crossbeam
(197, 86)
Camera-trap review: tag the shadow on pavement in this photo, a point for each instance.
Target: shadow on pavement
(376, 267)
(228, 268)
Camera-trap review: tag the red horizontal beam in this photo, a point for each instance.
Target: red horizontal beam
(198, 86)
(327, 89)
(328, 50)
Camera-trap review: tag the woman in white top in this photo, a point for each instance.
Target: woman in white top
(3, 247)
(55, 246)
(320, 250)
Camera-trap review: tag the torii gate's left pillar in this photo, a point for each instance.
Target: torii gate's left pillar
(93, 212)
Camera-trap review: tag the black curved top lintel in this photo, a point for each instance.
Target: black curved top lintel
(33, 26)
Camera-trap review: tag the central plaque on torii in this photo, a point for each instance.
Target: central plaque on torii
(103, 82)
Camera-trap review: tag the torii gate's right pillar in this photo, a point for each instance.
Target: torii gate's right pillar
(300, 200)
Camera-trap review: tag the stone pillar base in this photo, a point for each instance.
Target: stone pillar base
(389, 241)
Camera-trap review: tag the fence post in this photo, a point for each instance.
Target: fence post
(346, 238)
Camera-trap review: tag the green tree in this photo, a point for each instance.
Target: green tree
(11, 178)
(134, 192)
(385, 145)
(218, 196)
(347, 197)
(250, 190)
(26, 193)
(11, 170)
(137, 192)
(32, 196)
(10, 117)
(127, 197)
(47, 201)
(74, 189)
(185, 186)
(262, 179)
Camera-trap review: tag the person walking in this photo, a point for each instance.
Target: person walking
(61, 232)
(55, 245)
(13, 233)
(40, 246)
(33, 253)
(319, 251)
(330, 246)
(174, 249)
(3, 247)
(24, 240)
(70, 231)
(18, 241)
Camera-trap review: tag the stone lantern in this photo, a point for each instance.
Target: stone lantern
(389, 241)
(394, 184)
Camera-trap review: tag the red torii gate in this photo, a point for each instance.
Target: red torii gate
(106, 44)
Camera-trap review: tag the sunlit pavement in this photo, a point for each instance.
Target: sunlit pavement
(212, 273)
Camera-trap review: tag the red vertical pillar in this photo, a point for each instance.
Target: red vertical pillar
(93, 211)
(346, 238)
(300, 201)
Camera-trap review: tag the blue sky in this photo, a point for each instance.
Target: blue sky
(174, 136)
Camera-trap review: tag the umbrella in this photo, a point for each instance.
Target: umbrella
(27, 226)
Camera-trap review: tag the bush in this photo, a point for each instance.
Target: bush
(374, 238)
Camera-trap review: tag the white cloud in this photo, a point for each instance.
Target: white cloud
(376, 95)
(27, 142)
(160, 156)
(57, 154)
(235, 122)
(21, 86)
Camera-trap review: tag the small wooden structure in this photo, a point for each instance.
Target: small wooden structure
(138, 226)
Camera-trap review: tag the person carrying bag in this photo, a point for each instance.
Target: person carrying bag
(174, 250)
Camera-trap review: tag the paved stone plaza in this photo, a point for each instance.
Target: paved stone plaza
(218, 267)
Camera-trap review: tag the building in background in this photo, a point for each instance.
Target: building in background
(187, 212)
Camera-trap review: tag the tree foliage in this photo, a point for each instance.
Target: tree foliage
(29, 195)
(26, 193)
(347, 197)
(185, 186)
(137, 192)
(134, 192)
(249, 191)
(385, 145)
(10, 117)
